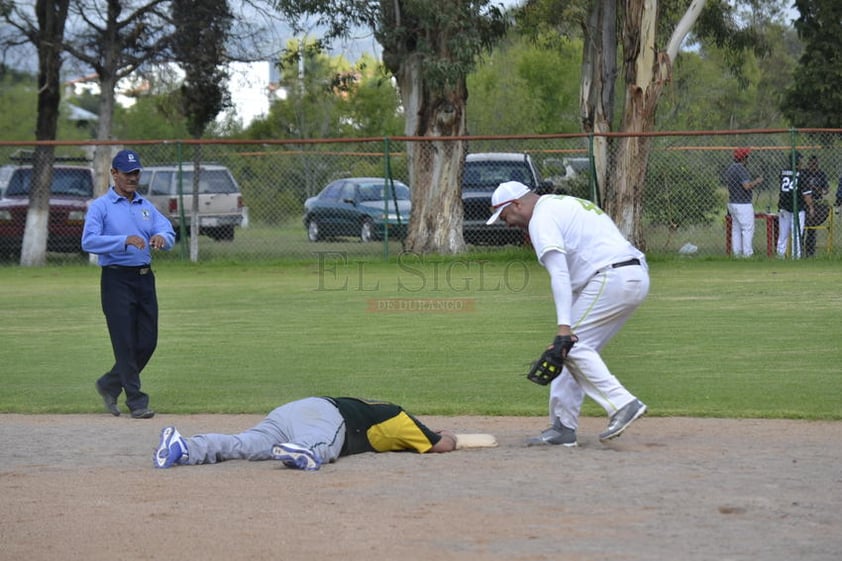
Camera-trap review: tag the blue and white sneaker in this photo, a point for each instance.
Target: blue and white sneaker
(171, 450)
(296, 457)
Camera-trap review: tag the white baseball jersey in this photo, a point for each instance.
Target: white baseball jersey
(581, 231)
(578, 244)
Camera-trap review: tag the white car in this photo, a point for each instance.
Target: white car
(170, 189)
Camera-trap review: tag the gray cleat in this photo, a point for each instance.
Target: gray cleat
(620, 421)
(556, 434)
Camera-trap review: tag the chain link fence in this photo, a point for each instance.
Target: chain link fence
(255, 199)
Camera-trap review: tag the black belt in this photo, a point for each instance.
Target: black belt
(139, 269)
(628, 263)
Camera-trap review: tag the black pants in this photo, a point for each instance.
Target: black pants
(130, 306)
(810, 242)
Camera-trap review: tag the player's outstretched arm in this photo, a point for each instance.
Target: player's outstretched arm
(447, 442)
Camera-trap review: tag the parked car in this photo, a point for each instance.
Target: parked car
(70, 193)
(363, 207)
(5, 175)
(482, 173)
(220, 200)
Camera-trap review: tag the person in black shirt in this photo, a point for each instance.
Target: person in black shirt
(816, 180)
(795, 197)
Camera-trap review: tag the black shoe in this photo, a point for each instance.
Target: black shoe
(143, 413)
(109, 400)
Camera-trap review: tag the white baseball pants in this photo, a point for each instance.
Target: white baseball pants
(599, 311)
(785, 230)
(742, 229)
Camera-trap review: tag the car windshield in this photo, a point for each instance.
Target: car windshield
(374, 192)
(210, 181)
(66, 181)
(488, 175)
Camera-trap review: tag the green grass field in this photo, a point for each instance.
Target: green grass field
(441, 336)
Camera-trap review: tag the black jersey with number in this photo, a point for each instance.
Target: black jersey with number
(380, 426)
(791, 182)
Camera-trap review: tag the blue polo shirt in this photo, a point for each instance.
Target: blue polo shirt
(112, 218)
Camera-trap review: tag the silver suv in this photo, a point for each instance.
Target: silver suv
(220, 200)
(482, 173)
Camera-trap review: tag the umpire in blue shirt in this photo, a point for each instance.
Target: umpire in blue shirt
(122, 228)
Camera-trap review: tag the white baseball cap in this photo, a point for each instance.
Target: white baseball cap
(504, 195)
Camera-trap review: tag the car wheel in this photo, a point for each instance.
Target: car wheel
(313, 231)
(366, 231)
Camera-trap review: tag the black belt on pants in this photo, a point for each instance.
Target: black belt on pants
(139, 269)
(629, 263)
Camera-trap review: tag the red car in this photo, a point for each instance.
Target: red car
(71, 191)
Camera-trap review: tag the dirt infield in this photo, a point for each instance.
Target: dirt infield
(82, 487)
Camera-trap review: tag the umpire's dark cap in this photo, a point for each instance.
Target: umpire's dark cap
(126, 161)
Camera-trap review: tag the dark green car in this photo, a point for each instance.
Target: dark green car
(367, 208)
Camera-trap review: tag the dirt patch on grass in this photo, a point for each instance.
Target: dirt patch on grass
(82, 487)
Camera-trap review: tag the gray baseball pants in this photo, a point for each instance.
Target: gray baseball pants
(312, 422)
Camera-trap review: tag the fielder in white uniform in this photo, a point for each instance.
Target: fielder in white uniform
(597, 279)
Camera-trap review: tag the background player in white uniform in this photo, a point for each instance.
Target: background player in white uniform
(597, 279)
(803, 195)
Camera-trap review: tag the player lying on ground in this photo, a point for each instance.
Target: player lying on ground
(307, 433)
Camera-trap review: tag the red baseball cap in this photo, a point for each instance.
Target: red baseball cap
(741, 153)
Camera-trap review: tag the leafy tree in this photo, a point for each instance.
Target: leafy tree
(326, 97)
(204, 24)
(152, 116)
(678, 195)
(705, 93)
(47, 34)
(372, 106)
(429, 46)
(526, 88)
(815, 97)
(314, 84)
(202, 27)
(645, 36)
(17, 107)
(115, 42)
(19, 110)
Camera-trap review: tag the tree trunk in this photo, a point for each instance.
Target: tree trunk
(642, 92)
(646, 74)
(596, 94)
(52, 15)
(34, 245)
(435, 225)
(107, 72)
